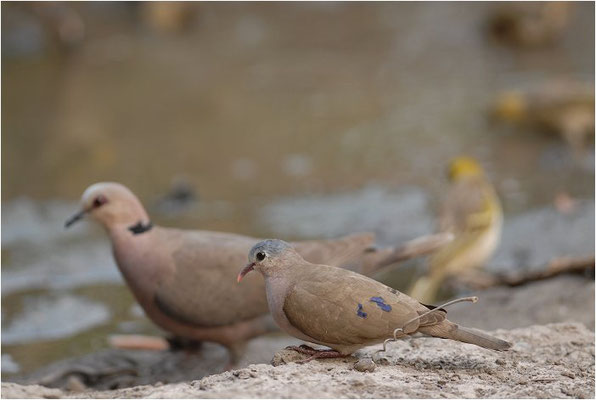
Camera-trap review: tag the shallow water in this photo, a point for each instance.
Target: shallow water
(294, 120)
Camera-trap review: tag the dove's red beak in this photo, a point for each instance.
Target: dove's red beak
(249, 267)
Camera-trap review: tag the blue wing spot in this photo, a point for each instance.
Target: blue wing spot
(359, 311)
(381, 303)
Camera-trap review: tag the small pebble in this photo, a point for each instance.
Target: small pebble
(243, 374)
(75, 384)
(364, 365)
(384, 361)
(568, 374)
(286, 356)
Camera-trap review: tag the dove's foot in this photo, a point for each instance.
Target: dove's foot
(323, 354)
(235, 352)
(303, 349)
(177, 343)
(314, 354)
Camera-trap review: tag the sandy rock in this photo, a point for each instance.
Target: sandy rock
(555, 360)
(563, 299)
(286, 356)
(365, 365)
(16, 391)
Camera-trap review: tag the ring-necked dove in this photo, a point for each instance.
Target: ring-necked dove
(472, 213)
(342, 309)
(185, 279)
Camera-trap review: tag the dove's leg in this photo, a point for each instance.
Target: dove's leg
(182, 343)
(324, 354)
(304, 349)
(314, 354)
(235, 352)
(235, 337)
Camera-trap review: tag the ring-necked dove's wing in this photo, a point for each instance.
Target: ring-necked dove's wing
(347, 252)
(359, 253)
(201, 289)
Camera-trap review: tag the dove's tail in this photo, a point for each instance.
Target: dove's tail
(449, 330)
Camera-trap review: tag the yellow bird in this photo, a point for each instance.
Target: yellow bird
(564, 107)
(472, 213)
(530, 24)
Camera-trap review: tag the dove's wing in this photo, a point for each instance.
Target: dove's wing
(345, 252)
(335, 306)
(201, 289)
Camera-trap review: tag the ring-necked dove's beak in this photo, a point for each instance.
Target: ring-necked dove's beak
(75, 218)
(249, 267)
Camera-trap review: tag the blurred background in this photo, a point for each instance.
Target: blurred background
(294, 120)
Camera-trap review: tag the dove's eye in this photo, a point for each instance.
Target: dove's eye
(99, 201)
(260, 256)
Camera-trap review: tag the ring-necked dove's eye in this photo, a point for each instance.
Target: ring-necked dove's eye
(99, 201)
(260, 256)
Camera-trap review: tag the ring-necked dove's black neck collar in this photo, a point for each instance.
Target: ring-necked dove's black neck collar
(139, 228)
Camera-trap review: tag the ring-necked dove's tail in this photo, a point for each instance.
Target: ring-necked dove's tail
(342, 309)
(185, 280)
(472, 213)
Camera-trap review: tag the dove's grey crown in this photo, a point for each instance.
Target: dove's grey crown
(271, 247)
